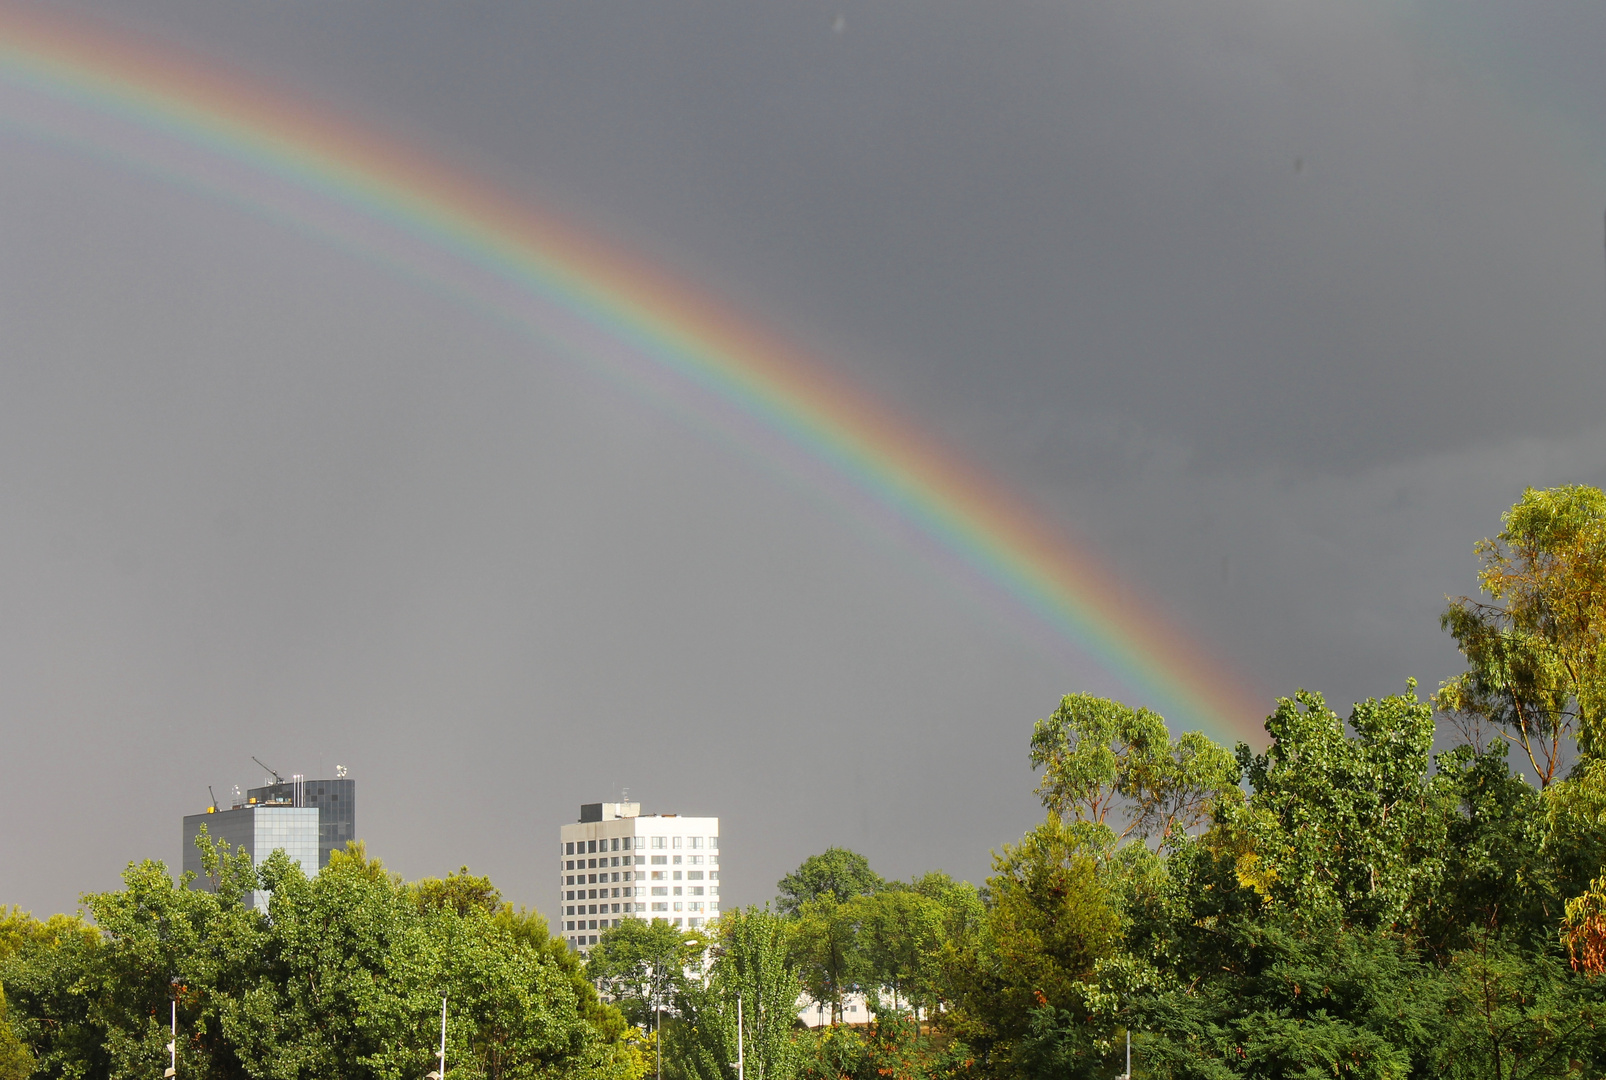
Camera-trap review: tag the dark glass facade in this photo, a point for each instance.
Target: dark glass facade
(336, 802)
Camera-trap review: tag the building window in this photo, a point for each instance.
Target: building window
(713, 843)
(627, 876)
(569, 910)
(570, 924)
(660, 860)
(695, 860)
(696, 890)
(694, 875)
(591, 846)
(713, 875)
(694, 923)
(616, 909)
(676, 875)
(591, 909)
(616, 877)
(568, 849)
(640, 891)
(641, 860)
(569, 865)
(713, 890)
(674, 842)
(658, 842)
(677, 922)
(676, 860)
(694, 841)
(661, 905)
(677, 890)
(660, 890)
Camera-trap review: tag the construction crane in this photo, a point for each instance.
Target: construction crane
(212, 793)
(276, 777)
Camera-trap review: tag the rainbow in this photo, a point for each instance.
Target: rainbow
(135, 104)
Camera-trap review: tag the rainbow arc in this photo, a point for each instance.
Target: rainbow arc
(172, 114)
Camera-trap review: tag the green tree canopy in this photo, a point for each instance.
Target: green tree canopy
(748, 964)
(341, 977)
(1536, 647)
(836, 874)
(643, 965)
(1104, 761)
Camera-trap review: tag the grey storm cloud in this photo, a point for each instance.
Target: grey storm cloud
(1279, 305)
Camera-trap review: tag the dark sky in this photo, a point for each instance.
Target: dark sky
(1277, 305)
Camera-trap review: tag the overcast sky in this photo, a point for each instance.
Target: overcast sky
(1278, 305)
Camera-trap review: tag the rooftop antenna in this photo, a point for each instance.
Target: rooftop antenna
(212, 793)
(277, 778)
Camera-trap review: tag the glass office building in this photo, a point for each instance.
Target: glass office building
(336, 803)
(258, 830)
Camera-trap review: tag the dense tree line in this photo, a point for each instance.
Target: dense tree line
(341, 977)
(1415, 889)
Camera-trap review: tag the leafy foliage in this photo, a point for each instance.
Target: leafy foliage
(341, 977)
(836, 875)
(1102, 758)
(1536, 649)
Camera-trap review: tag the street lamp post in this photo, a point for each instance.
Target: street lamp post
(441, 1073)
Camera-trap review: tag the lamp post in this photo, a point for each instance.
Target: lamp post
(440, 1074)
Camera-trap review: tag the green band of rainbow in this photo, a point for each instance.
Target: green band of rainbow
(682, 334)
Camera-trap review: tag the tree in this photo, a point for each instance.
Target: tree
(16, 1063)
(1050, 923)
(1338, 825)
(1536, 649)
(1516, 1013)
(836, 873)
(1102, 758)
(1289, 997)
(19, 929)
(341, 977)
(643, 965)
(824, 949)
(899, 933)
(461, 892)
(749, 963)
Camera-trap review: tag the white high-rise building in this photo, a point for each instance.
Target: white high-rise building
(615, 863)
